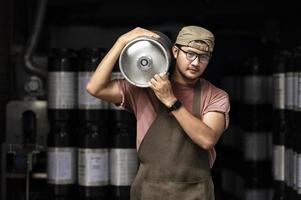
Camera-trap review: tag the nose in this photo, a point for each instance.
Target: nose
(196, 61)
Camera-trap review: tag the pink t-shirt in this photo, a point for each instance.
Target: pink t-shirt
(136, 100)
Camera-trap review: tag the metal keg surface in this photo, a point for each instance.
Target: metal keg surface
(144, 57)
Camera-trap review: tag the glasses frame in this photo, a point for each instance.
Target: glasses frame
(197, 55)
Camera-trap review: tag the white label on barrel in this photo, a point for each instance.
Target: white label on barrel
(123, 163)
(294, 168)
(288, 167)
(93, 167)
(258, 194)
(116, 75)
(255, 146)
(295, 90)
(62, 90)
(299, 92)
(269, 146)
(299, 174)
(85, 100)
(279, 91)
(255, 89)
(279, 162)
(269, 92)
(61, 165)
(228, 178)
(289, 86)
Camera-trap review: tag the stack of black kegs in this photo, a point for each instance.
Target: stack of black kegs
(271, 163)
(295, 192)
(123, 154)
(62, 107)
(257, 141)
(292, 166)
(280, 124)
(295, 126)
(93, 143)
(232, 183)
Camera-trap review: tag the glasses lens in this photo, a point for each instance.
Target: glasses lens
(191, 55)
(204, 57)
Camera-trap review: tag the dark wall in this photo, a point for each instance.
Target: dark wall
(5, 27)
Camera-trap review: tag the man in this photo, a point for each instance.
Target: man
(180, 117)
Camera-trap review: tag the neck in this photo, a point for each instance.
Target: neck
(179, 78)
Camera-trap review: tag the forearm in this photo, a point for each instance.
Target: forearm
(101, 76)
(195, 128)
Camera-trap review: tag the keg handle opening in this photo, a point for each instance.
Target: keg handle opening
(145, 63)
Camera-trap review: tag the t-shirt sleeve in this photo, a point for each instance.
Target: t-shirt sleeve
(129, 95)
(218, 102)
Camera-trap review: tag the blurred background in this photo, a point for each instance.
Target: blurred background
(58, 142)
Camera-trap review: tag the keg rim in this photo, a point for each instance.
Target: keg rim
(142, 38)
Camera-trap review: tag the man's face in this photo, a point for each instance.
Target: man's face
(190, 62)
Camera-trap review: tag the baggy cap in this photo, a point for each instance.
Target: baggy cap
(189, 34)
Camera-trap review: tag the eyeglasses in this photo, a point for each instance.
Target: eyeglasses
(191, 56)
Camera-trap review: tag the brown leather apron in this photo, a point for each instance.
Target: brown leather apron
(172, 166)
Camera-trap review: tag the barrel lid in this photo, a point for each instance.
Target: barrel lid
(142, 58)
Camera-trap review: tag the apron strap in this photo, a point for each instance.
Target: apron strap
(157, 105)
(196, 99)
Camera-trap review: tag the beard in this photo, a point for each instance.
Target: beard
(184, 75)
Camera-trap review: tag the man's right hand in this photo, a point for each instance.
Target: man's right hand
(135, 33)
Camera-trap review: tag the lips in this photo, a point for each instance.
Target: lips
(193, 69)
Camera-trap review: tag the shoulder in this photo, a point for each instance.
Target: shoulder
(215, 99)
(211, 90)
(126, 86)
(132, 96)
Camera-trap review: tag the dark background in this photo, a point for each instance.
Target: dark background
(242, 29)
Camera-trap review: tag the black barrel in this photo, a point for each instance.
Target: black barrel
(62, 84)
(123, 159)
(123, 153)
(89, 108)
(280, 125)
(256, 126)
(93, 160)
(61, 160)
(297, 139)
(289, 115)
(232, 159)
(296, 175)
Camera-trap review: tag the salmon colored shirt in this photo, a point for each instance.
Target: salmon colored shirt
(136, 100)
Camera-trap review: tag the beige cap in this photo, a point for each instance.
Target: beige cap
(188, 36)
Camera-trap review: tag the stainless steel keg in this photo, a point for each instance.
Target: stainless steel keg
(144, 57)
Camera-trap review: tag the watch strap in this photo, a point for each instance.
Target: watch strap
(175, 106)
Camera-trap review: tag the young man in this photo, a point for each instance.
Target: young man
(180, 117)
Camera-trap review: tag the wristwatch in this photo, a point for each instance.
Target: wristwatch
(175, 106)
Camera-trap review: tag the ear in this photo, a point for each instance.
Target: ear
(175, 51)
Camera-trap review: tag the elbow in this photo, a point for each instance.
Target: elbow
(208, 144)
(91, 90)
